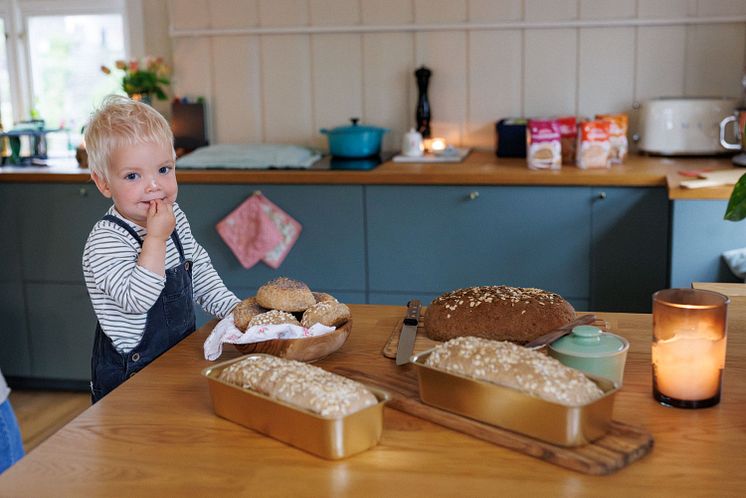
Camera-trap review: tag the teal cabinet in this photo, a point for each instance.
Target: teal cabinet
(427, 240)
(15, 350)
(54, 223)
(62, 325)
(329, 254)
(699, 236)
(629, 255)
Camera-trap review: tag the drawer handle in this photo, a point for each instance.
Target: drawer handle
(601, 196)
(83, 192)
(473, 195)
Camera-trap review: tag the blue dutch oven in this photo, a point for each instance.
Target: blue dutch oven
(354, 140)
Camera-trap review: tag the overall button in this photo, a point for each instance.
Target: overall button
(186, 266)
(136, 357)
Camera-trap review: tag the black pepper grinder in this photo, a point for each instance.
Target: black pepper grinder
(423, 104)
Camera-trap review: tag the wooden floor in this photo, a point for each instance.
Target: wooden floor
(42, 413)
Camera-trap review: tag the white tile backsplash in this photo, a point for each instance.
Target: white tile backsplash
(331, 12)
(283, 13)
(550, 10)
(235, 71)
(337, 81)
(493, 92)
(439, 11)
(550, 78)
(484, 11)
(234, 13)
(607, 60)
(388, 77)
(607, 9)
(286, 84)
(714, 59)
(284, 87)
(660, 62)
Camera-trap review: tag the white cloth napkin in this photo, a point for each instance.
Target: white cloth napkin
(226, 332)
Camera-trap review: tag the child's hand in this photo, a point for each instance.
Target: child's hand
(161, 220)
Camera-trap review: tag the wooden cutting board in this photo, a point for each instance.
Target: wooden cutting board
(623, 444)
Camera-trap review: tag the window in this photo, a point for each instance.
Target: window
(50, 67)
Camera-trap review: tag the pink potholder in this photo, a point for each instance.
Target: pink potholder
(289, 230)
(249, 231)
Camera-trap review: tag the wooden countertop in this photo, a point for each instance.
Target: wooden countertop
(479, 168)
(157, 435)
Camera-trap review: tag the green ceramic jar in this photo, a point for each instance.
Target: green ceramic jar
(595, 352)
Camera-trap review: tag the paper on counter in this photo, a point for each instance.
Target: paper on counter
(226, 332)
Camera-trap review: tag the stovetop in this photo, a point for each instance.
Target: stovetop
(358, 164)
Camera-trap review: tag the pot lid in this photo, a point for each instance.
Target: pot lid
(354, 128)
(587, 340)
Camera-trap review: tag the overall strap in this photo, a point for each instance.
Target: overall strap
(124, 225)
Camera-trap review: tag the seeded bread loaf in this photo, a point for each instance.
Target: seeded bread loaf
(510, 365)
(301, 385)
(273, 317)
(331, 314)
(245, 311)
(285, 294)
(498, 312)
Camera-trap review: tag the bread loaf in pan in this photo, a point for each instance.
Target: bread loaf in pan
(300, 384)
(514, 366)
(499, 312)
(294, 418)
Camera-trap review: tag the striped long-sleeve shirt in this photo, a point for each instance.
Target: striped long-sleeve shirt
(122, 292)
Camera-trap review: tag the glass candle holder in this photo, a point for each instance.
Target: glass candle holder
(689, 336)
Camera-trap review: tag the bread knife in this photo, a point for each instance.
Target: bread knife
(562, 331)
(408, 332)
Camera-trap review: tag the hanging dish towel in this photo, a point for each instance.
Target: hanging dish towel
(259, 230)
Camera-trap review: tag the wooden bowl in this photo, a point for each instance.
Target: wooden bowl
(307, 349)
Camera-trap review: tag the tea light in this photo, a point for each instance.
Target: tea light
(436, 145)
(689, 339)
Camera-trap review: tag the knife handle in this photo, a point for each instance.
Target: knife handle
(413, 312)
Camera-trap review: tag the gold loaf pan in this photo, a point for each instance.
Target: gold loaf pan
(331, 438)
(514, 410)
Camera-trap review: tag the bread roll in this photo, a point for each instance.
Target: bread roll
(498, 312)
(285, 294)
(331, 314)
(301, 385)
(273, 317)
(514, 366)
(245, 311)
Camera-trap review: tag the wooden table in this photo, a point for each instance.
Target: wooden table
(157, 436)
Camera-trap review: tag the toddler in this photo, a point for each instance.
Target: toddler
(143, 268)
(11, 444)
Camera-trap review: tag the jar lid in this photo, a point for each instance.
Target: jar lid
(587, 340)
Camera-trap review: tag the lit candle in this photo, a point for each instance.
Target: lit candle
(437, 145)
(689, 367)
(688, 352)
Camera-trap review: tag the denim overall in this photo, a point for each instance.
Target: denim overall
(169, 321)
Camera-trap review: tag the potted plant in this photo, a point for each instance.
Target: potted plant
(143, 79)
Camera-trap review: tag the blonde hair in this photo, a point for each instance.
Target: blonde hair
(121, 121)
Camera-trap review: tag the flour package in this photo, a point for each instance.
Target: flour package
(568, 138)
(543, 146)
(593, 144)
(617, 136)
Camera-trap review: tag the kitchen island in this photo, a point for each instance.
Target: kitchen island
(157, 435)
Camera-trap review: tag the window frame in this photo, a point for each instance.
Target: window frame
(16, 15)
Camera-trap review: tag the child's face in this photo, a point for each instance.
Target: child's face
(138, 174)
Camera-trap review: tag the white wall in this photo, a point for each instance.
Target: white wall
(282, 86)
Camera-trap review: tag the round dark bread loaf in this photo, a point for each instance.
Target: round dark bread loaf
(499, 312)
